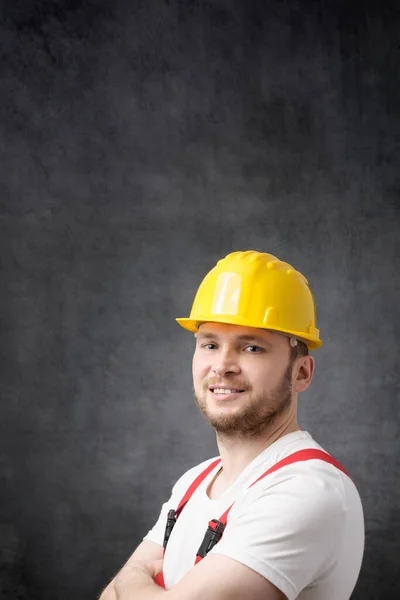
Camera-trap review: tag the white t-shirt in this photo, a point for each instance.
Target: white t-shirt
(301, 527)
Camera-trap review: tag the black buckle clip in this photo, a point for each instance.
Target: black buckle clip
(212, 536)
(169, 526)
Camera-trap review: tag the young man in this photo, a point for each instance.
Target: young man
(295, 528)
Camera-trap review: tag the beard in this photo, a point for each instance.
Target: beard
(260, 412)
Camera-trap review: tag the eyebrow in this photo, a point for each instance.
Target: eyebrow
(240, 338)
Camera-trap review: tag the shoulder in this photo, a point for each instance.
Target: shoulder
(307, 484)
(310, 487)
(314, 472)
(307, 500)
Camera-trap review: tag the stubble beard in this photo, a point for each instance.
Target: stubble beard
(259, 414)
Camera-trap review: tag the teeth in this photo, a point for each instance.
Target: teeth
(224, 391)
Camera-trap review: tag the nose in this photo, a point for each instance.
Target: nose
(225, 364)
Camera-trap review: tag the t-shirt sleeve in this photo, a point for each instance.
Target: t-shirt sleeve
(289, 531)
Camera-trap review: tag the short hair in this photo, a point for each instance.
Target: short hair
(300, 349)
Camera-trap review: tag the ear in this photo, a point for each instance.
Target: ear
(303, 371)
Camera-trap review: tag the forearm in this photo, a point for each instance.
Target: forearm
(142, 591)
(136, 581)
(146, 551)
(145, 590)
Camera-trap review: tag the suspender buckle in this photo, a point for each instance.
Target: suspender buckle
(212, 536)
(169, 526)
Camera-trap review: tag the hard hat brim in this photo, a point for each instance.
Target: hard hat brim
(193, 325)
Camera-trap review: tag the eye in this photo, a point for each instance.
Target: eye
(253, 349)
(209, 346)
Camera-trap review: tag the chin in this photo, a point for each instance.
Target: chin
(224, 418)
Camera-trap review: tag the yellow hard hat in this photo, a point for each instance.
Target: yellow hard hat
(255, 289)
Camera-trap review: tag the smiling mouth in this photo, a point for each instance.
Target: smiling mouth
(225, 391)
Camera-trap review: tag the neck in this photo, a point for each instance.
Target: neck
(237, 451)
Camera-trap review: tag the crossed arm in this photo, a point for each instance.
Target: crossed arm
(215, 578)
(147, 552)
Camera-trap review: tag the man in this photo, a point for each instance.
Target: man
(295, 528)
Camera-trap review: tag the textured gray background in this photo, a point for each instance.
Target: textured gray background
(140, 142)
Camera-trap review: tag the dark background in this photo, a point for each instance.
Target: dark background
(140, 142)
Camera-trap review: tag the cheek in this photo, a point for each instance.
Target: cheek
(264, 375)
(194, 373)
(198, 369)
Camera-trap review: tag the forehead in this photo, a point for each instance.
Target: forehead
(228, 332)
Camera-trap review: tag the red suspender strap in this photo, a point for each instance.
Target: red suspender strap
(159, 580)
(299, 456)
(193, 487)
(174, 514)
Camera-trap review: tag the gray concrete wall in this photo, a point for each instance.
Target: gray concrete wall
(141, 142)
